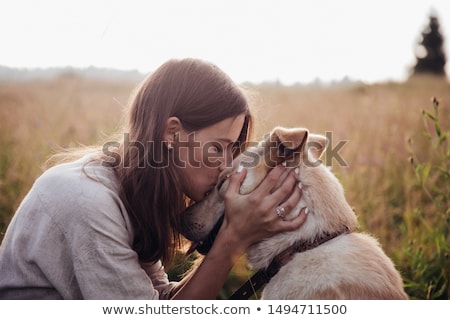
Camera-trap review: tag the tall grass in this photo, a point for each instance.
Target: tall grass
(425, 226)
(381, 127)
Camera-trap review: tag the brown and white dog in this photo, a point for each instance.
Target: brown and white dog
(348, 265)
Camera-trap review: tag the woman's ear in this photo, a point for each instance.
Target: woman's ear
(173, 125)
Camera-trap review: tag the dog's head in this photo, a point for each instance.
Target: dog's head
(202, 220)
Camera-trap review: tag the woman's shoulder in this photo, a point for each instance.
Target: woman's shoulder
(83, 185)
(81, 177)
(82, 194)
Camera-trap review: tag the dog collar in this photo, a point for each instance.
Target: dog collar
(263, 276)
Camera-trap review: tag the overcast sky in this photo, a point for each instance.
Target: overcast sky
(258, 40)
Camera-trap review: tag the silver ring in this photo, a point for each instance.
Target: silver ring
(280, 211)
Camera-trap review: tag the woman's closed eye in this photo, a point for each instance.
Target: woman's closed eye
(214, 149)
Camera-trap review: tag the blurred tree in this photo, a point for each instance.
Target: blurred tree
(430, 51)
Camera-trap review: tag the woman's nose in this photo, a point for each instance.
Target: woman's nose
(226, 161)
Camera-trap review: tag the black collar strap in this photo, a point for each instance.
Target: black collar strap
(263, 276)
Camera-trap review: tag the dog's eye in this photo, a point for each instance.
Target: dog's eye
(285, 152)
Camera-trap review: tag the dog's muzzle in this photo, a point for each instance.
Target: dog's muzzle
(205, 245)
(212, 208)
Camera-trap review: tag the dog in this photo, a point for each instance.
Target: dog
(337, 262)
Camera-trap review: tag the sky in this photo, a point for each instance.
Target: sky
(252, 40)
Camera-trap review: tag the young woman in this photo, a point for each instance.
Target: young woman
(103, 226)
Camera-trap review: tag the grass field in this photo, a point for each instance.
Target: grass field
(395, 168)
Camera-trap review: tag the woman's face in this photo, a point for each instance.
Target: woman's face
(203, 154)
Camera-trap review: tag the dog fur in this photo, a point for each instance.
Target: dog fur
(350, 266)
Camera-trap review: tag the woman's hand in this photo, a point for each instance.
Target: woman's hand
(248, 219)
(253, 217)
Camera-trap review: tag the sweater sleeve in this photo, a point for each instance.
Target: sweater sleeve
(159, 279)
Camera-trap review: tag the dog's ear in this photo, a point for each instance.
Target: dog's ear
(293, 139)
(317, 144)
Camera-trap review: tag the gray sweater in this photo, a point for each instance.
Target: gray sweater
(71, 238)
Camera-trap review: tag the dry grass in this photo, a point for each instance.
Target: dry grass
(377, 121)
(39, 118)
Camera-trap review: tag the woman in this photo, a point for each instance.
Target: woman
(103, 226)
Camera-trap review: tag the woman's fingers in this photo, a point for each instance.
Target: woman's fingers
(286, 188)
(294, 196)
(235, 181)
(290, 192)
(270, 181)
(278, 190)
(295, 223)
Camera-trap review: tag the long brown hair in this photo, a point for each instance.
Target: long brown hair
(200, 95)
